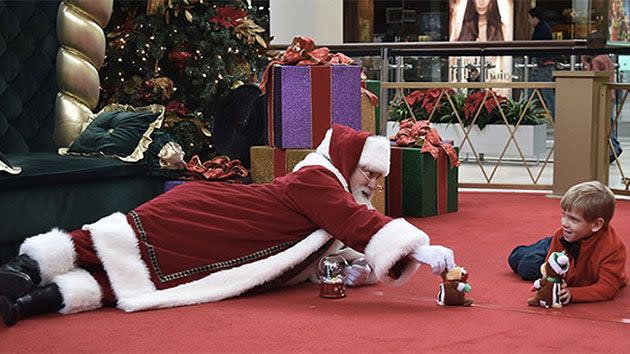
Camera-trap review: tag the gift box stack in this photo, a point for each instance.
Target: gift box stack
(308, 91)
(423, 177)
(304, 102)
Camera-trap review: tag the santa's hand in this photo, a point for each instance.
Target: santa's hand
(357, 273)
(438, 258)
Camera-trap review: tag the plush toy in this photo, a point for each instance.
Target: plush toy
(453, 289)
(548, 287)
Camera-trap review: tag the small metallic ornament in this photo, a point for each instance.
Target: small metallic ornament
(172, 156)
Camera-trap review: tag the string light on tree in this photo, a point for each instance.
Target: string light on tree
(173, 47)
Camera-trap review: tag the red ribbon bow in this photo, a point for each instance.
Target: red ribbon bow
(419, 133)
(219, 168)
(303, 51)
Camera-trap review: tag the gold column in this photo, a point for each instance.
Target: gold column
(581, 143)
(82, 52)
(366, 20)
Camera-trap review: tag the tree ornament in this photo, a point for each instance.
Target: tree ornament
(241, 68)
(227, 17)
(163, 86)
(154, 5)
(177, 107)
(179, 58)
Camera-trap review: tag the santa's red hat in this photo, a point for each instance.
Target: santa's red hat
(347, 148)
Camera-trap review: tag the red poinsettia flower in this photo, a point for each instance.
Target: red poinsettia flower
(413, 97)
(227, 16)
(471, 105)
(429, 98)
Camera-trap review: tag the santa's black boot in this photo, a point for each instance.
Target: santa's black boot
(46, 299)
(18, 276)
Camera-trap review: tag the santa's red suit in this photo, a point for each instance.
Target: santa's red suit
(204, 241)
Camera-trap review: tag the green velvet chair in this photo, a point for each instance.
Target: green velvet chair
(52, 190)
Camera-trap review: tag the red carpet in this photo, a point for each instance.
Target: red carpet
(372, 319)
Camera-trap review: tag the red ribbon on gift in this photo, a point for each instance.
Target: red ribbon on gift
(373, 98)
(303, 51)
(419, 133)
(220, 168)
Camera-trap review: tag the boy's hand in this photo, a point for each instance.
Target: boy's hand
(565, 294)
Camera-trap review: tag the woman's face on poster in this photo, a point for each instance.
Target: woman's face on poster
(482, 6)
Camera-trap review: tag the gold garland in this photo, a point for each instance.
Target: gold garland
(169, 9)
(248, 30)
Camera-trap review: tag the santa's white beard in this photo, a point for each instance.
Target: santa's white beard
(360, 197)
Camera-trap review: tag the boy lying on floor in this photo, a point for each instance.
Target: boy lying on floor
(596, 253)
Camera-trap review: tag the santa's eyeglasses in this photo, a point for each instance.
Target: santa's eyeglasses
(372, 176)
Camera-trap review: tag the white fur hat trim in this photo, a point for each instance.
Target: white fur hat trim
(559, 262)
(375, 155)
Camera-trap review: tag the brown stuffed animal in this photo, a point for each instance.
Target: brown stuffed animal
(548, 287)
(453, 289)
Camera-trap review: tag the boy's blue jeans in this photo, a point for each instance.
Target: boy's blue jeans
(526, 260)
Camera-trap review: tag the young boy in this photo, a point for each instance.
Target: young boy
(597, 256)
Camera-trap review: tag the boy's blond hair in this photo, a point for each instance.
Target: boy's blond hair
(591, 199)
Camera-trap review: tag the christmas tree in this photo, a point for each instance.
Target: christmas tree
(185, 55)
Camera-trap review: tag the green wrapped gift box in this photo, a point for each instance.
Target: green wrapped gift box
(419, 185)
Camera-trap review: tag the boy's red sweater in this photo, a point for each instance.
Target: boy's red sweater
(599, 273)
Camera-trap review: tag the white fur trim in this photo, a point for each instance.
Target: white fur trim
(559, 263)
(53, 251)
(79, 290)
(310, 272)
(324, 147)
(376, 154)
(317, 159)
(117, 247)
(391, 243)
(229, 282)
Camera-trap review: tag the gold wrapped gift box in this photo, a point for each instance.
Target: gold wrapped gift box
(270, 162)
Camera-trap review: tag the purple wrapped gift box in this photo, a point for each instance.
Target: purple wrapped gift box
(305, 101)
(168, 185)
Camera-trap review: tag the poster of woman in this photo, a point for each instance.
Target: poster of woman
(480, 21)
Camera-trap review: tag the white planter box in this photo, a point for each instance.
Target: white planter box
(491, 140)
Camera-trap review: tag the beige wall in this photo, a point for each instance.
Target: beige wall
(321, 20)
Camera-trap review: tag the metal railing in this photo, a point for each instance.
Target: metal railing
(465, 127)
(390, 65)
(619, 170)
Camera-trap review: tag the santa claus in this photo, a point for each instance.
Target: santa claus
(204, 241)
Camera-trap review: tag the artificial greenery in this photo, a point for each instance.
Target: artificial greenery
(468, 105)
(184, 54)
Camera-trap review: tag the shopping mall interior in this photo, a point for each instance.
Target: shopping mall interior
(189, 176)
